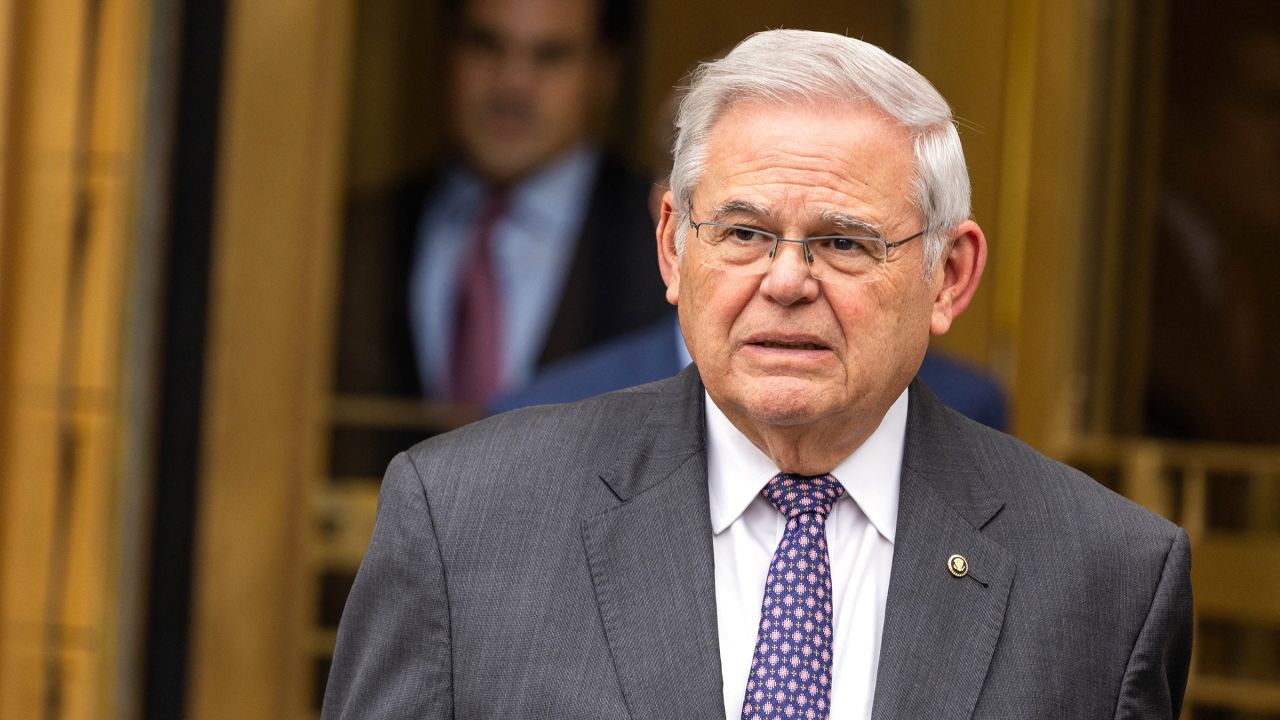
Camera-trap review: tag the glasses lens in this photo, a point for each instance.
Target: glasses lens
(847, 258)
(736, 249)
(745, 250)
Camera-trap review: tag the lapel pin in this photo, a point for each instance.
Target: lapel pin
(958, 566)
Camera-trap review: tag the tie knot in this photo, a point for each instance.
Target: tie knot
(495, 207)
(796, 494)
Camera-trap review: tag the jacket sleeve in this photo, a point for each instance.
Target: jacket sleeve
(1156, 676)
(393, 655)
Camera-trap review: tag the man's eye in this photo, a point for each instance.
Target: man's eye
(847, 244)
(482, 42)
(552, 54)
(747, 235)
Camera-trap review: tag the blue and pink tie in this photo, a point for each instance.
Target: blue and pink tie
(791, 668)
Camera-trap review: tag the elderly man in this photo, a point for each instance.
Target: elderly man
(791, 528)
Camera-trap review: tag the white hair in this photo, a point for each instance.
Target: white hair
(786, 66)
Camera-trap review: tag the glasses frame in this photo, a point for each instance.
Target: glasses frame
(803, 242)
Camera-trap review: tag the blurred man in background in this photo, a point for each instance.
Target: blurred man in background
(529, 242)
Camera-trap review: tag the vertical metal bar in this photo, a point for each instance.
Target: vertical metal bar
(68, 372)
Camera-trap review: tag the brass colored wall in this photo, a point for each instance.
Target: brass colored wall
(70, 109)
(272, 287)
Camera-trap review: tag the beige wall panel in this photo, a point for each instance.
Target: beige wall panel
(112, 176)
(103, 294)
(41, 253)
(8, 52)
(1048, 389)
(275, 239)
(27, 485)
(85, 655)
(962, 48)
(118, 83)
(37, 228)
(1012, 209)
(107, 327)
(45, 111)
(118, 97)
(89, 604)
(50, 68)
(80, 674)
(9, 91)
(1024, 74)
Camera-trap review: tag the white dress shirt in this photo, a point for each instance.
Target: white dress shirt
(860, 532)
(533, 247)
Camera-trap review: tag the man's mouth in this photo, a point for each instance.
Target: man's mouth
(790, 345)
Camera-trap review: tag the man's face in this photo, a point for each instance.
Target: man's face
(527, 78)
(784, 349)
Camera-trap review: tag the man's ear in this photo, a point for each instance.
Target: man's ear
(668, 260)
(959, 271)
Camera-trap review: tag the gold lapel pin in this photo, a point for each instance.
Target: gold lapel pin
(958, 566)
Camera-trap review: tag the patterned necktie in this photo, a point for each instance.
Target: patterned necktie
(791, 668)
(476, 356)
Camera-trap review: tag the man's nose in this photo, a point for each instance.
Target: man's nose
(789, 279)
(516, 71)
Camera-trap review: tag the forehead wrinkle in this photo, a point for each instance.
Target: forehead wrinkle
(777, 172)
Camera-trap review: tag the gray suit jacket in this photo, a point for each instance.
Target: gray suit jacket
(556, 562)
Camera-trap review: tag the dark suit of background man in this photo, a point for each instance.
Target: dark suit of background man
(791, 527)
(530, 243)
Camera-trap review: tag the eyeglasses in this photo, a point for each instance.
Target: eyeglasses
(745, 250)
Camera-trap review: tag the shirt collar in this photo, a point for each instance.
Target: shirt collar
(542, 197)
(545, 196)
(737, 470)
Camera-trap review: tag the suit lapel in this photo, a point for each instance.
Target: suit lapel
(652, 565)
(940, 631)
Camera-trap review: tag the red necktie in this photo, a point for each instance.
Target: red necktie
(476, 358)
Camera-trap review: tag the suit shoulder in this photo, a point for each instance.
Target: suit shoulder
(538, 462)
(1068, 512)
(1044, 496)
(1030, 471)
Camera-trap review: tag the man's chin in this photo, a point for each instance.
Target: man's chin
(502, 163)
(788, 401)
